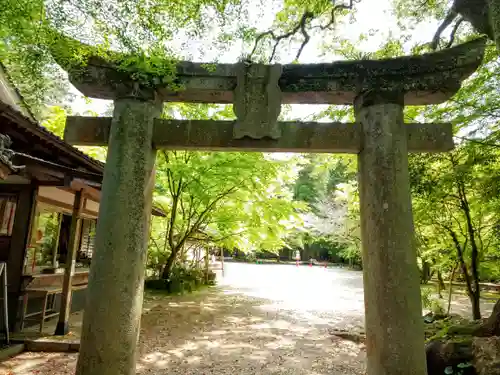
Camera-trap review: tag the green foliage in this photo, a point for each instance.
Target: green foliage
(183, 280)
(426, 296)
(431, 302)
(229, 200)
(327, 184)
(437, 307)
(49, 223)
(32, 33)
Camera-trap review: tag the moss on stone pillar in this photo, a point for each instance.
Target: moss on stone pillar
(114, 297)
(394, 325)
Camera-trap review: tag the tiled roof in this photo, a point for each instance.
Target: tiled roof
(42, 133)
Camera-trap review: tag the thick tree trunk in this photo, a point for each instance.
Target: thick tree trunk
(473, 287)
(167, 269)
(425, 273)
(476, 308)
(492, 325)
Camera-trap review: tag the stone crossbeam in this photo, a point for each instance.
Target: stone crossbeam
(210, 135)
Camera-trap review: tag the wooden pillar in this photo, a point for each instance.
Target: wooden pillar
(56, 245)
(62, 327)
(393, 312)
(111, 322)
(20, 240)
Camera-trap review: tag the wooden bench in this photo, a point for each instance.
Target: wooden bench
(48, 293)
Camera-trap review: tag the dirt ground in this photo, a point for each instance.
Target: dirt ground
(219, 331)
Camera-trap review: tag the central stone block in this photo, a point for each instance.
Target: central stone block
(257, 101)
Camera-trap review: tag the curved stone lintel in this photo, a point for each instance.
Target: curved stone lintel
(424, 79)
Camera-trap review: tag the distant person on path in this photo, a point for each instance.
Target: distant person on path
(297, 257)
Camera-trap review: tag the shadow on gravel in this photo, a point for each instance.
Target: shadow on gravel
(225, 332)
(220, 331)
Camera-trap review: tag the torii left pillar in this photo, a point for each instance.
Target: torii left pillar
(111, 322)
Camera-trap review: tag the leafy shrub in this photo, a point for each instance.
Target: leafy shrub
(431, 303)
(251, 257)
(437, 307)
(182, 280)
(156, 284)
(426, 295)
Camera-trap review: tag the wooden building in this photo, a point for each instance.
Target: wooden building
(38, 187)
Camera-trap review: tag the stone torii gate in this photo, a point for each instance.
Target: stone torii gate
(379, 90)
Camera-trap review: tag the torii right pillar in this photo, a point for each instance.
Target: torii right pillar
(393, 311)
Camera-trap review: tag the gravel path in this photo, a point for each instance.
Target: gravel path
(221, 331)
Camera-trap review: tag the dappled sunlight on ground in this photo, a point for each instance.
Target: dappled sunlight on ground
(40, 363)
(228, 332)
(220, 331)
(260, 320)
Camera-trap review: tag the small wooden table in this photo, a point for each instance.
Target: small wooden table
(48, 294)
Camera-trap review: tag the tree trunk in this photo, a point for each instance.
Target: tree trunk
(169, 265)
(440, 283)
(476, 308)
(472, 292)
(474, 289)
(492, 325)
(426, 271)
(450, 294)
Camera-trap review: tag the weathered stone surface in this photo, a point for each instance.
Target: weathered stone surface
(426, 79)
(444, 356)
(114, 299)
(393, 321)
(295, 136)
(487, 355)
(257, 101)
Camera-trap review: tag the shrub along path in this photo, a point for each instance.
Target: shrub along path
(220, 331)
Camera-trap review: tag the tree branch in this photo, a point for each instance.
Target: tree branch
(301, 27)
(199, 221)
(446, 22)
(454, 32)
